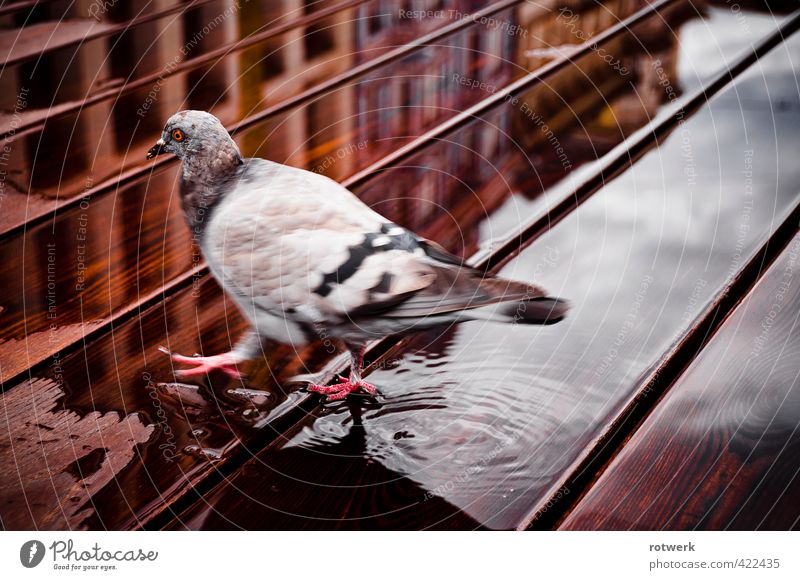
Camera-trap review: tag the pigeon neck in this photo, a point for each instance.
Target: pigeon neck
(202, 182)
(210, 165)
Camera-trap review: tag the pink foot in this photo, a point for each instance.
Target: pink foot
(341, 390)
(204, 364)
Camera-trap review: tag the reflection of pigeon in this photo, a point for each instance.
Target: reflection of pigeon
(305, 260)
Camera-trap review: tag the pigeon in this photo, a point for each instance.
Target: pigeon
(304, 259)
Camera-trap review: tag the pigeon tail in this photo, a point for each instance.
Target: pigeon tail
(539, 310)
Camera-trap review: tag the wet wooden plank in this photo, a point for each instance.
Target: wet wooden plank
(490, 419)
(722, 449)
(108, 358)
(56, 459)
(17, 45)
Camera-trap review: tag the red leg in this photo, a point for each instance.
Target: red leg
(341, 389)
(225, 362)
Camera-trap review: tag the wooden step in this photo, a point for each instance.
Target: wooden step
(721, 451)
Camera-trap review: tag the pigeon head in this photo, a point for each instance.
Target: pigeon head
(210, 158)
(201, 142)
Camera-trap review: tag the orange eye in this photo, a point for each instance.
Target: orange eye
(178, 135)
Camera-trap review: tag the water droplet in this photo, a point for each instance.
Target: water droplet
(254, 396)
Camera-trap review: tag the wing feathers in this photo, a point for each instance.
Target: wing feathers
(462, 288)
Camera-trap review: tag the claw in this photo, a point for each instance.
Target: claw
(340, 390)
(204, 364)
(369, 388)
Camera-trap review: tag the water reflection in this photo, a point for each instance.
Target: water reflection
(320, 477)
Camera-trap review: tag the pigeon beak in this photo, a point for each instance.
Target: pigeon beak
(158, 149)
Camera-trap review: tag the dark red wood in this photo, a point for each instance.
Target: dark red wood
(722, 450)
(39, 39)
(354, 466)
